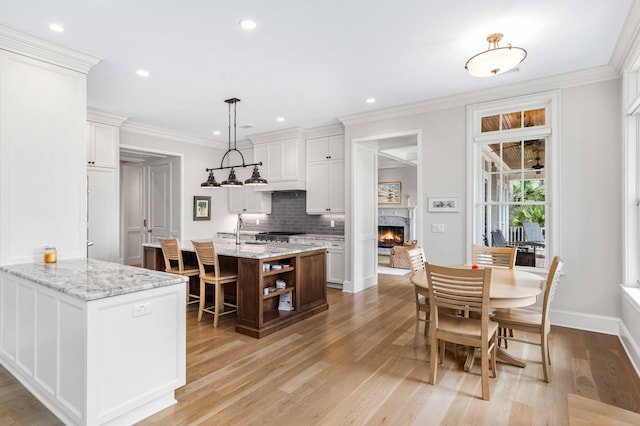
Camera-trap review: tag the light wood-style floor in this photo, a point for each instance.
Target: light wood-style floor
(356, 364)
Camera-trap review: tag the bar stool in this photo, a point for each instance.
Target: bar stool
(210, 274)
(171, 252)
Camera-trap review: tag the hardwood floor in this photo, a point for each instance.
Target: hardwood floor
(356, 364)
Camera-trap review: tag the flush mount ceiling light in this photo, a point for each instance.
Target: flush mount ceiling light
(56, 27)
(248, 24)
(232, 181)
(495, 60)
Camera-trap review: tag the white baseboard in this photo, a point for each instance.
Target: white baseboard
(631, 347)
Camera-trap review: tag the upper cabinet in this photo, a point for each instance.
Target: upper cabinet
(247, 200)
(103, 138)
(282, 154)
(325, 175)
(325, 148)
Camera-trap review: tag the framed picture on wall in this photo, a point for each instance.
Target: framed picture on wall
(443, 204)
(389, 192)
(201, 207)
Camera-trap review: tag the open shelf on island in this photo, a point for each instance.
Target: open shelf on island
(278, 292)
(278, 271)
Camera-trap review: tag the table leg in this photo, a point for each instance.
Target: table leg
(501, 356)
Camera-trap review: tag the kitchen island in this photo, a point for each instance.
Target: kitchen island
(95, 342)
(302, 268)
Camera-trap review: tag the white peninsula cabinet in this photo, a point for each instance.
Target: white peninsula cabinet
(325, 175)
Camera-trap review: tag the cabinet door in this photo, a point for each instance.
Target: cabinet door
(335, 266)
(257, 201)
(102, 205)
(237, 200)
(335, 186)
(103, 145)
(317, 187)
(336, 147)
(317, 149)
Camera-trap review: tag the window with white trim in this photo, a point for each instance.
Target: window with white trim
(513, 176)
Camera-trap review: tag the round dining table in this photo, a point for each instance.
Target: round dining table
(510, 288)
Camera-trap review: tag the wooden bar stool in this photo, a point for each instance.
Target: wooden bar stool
(172, 253)
(210, 274)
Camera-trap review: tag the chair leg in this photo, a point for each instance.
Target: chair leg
(484, 362)
(433, 370)
(544, 350)
(415, 337)
(201, 301)
(218, 306)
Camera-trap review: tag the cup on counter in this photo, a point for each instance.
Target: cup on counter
(50, 254)
(266, 267)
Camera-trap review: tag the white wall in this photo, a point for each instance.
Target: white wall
(196, 158)
(590, 229)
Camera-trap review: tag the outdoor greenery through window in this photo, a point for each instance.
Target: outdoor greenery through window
(513, 202)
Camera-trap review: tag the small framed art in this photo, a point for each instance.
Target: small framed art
(443, 204)
(389, 192)
(201, 207)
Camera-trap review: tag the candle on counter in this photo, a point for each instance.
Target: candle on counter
(50, 254)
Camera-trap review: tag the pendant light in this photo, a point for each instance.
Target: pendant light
(495, 60)
(232, 181)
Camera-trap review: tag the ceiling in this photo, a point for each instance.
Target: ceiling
(309, 62)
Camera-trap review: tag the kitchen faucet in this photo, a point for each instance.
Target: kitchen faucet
(238, 226)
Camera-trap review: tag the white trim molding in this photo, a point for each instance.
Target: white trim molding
(105, 117)
(143, 129)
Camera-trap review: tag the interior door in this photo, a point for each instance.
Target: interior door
(132, 196)
(159, 196)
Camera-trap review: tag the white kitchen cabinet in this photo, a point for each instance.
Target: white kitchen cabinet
(103, 218)
(325, 175)
(103, 142)
(283, 156)
(247, 200)
(325, 148)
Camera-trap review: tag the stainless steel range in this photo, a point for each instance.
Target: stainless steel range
(276, 236)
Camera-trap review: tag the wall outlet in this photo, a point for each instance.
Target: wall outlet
(437, 227)
(141, 309)
(333, 224)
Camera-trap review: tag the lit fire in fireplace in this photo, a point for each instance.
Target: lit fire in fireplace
(389, 236)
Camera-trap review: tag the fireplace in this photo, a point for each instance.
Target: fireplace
(392, 231)
(389, 236)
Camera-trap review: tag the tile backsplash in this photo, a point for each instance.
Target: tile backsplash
(288, 213)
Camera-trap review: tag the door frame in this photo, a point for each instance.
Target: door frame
(154, 153)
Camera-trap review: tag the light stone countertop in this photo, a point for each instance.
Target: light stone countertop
(89, 279)
(326, 237)
(249, 250)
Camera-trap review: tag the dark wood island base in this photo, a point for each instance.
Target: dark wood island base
(301, 267)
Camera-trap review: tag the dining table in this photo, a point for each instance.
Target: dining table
(510, 288)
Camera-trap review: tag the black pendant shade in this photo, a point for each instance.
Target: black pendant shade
(211, 181)
(232, 181)
(255, 179)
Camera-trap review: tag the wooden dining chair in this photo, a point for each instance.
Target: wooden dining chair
(493, 256)
(416, 263)
(210, 273)
(529, 321)
(461, 289)
(174, 264)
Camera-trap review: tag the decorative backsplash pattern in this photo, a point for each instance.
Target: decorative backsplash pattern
(289, 213)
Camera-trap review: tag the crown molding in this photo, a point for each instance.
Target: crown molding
(330, 130)
(627, 48)
(105, 117)
(560, 81)
(277, 135)
(143, 129)
(22, 43)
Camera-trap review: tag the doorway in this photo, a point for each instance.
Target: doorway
(150, 199)
(396, 158)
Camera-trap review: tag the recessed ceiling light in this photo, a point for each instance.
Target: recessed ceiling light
(280, 119)
(371, 100)
(56, 28)
(216, 132)
(142, 73)
(248, 24)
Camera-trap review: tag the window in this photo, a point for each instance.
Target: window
(513, 178)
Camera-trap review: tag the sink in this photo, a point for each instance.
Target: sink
(255, 242)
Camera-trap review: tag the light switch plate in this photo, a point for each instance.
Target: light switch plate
(437, 227)
(141, 309)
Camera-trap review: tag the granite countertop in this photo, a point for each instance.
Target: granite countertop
(249, 250)
(321, 237)
(89, 279)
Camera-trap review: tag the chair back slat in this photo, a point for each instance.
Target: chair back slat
(494, 256)
(171, 252)
(416, 259)
(459, 289)
(207, 257)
